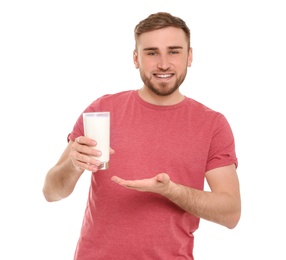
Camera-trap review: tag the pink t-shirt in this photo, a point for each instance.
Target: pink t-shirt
(184, 140)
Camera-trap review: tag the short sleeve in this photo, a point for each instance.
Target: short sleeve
(222, 147)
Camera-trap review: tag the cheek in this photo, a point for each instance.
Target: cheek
(143, 64)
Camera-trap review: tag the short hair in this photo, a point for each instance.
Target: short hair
(158, 21)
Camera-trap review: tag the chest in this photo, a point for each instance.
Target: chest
(160, 142)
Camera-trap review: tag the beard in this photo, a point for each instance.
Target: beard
(163, 89)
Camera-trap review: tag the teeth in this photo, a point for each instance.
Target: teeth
(164, 76)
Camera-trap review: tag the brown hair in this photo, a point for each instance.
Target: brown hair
(161, 20)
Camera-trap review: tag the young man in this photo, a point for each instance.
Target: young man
(164, 145)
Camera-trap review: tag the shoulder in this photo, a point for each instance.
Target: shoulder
(111, 100)
(115, 96)
(204, 115)
(200, 108)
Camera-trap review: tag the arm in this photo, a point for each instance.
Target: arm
(76, 158)
(222, 205)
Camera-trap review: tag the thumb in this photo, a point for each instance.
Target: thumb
(163, 177)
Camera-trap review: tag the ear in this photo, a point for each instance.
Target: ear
(135, 59)
(190, 57)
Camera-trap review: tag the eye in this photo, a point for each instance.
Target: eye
(174, 52)
(151, 53)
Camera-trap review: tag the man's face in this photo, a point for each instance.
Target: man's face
(162, 58)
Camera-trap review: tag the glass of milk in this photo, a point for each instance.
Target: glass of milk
(97, 127)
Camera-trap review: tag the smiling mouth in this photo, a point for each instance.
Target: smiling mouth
(163, 76)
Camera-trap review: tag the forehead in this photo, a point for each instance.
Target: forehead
(162, 38)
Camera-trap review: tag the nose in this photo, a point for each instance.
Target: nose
(163, 63)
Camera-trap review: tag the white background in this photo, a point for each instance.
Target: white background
(58, 56)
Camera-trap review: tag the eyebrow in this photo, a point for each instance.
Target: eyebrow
(155, 48)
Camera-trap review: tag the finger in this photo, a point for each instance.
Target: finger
(122, 182)
(85, 141)
(116, 179)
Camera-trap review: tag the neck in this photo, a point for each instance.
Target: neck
(152, 98)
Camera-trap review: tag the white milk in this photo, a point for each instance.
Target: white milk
(97, 127)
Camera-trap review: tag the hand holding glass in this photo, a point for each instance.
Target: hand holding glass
(97, 127)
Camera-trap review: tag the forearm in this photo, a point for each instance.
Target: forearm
(220, 208)
(221, 205)
(60, 181)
